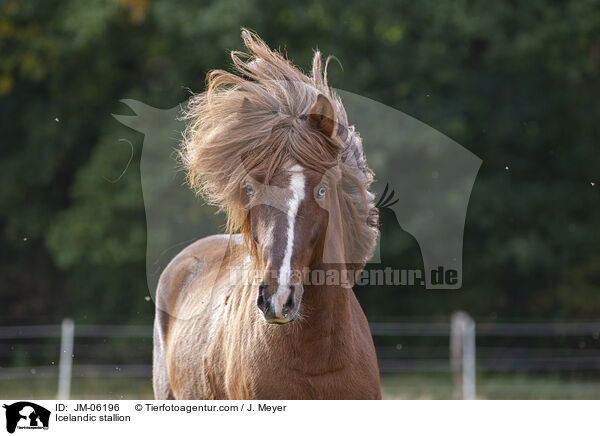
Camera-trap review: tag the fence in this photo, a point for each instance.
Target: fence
(436, 347)
(69, 335)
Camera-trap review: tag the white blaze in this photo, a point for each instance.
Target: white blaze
(297, 182)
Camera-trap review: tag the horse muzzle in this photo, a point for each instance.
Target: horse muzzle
(280, 305)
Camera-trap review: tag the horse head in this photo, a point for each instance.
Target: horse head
(287, 220)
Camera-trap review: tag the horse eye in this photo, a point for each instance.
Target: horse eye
(250, 190)
(321, 192)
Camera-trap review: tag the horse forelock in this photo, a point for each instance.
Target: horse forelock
(254, 121)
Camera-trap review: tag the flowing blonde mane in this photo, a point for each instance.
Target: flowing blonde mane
(255, 120)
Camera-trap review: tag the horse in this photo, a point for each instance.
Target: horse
(266, 310)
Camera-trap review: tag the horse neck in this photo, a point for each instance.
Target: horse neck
(326, 308)
(322, 339)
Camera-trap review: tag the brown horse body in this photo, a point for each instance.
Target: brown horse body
(228, 352)
(236, 317)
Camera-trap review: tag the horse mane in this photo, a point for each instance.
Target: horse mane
(255, 120)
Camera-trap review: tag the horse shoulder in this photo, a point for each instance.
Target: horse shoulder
(188, 292)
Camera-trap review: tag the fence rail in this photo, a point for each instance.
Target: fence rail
(81, 331)
(489, 329)
(377, 329)
(459, 357)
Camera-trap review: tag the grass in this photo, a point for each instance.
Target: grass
(107, 388)
(493, 386)
(411, 386)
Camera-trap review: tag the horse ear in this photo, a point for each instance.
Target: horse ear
(245, 106)
(321, 116)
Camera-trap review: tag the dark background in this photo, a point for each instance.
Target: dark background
(516, 83)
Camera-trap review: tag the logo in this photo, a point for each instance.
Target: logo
(26, 415)
(430, 177)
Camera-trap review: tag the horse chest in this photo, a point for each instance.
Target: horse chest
(285, 371)
(251, 363)
(287, 383)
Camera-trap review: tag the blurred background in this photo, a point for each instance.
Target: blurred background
(516, 83)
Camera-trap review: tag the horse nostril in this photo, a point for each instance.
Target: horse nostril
(260, 301)
(287, 307)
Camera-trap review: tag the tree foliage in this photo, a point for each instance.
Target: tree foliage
(517, 83)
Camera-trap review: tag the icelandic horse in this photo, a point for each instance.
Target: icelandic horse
(267, 311)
